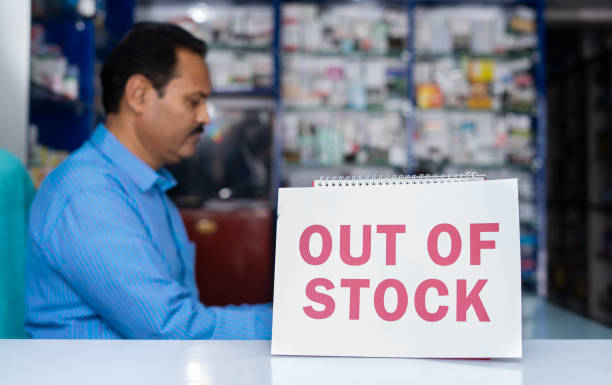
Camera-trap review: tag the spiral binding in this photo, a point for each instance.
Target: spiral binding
(390, 180)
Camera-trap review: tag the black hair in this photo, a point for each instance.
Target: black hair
(148, 49)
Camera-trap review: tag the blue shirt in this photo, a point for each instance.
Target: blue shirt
(109, 257)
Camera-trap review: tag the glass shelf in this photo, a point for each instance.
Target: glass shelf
(400, 54)
(423, 56)
(45, 99)
(296, 165)
(240, 48)
(59, 11)
(378, 110)
(502, 111)
(261, 92)
(476, 2)
(500, 166)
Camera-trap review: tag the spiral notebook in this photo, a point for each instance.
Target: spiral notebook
(398, 266)
(393, 180)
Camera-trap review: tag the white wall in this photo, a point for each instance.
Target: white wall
(15, 22)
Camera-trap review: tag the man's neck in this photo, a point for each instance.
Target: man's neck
(124, 131)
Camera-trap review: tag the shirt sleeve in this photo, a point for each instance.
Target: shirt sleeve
(103, 249)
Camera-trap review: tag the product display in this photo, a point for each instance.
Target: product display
(477, 58)
(344, 85)
(239, 39)
(351, 83)
(337, 138)
(475, 29)
(344, 28)
(50, 68)
(46, 8)
(473, 138)
(500, 84)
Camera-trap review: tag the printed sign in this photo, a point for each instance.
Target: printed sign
(423, 270)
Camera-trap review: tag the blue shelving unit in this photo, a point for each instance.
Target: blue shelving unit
(65, 124)
(542, 150)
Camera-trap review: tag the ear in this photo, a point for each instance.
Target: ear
(137, 92)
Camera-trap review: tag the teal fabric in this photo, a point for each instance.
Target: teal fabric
(16, 193)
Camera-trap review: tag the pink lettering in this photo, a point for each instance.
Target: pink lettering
(476, 244)
(391, 231)
(419, 300)
(345, 245)
(305, 245)
(432, 244)
(355, 286)
(473, 299)
(379, 300)
(321, 298)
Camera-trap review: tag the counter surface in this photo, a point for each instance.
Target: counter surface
(249, 362)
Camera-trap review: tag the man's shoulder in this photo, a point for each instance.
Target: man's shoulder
(82, 174)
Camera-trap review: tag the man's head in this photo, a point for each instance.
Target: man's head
(154, 86)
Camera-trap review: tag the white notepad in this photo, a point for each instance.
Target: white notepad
(425, 266)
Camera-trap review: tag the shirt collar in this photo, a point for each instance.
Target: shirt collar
(141, 173)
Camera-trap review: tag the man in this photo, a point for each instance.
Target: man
(108, 254)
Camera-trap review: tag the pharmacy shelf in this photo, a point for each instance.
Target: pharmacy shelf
(311, 165)
(334, 2)
(62, 123)
(45, 99)
(347, 110)
(503, 111)
(282, 168)
(255, 92)
(501, 166)
(476, 2)
(239, 48)
(60, 15)
(532, 54)
(399, 54)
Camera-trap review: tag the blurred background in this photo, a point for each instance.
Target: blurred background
(303, 89)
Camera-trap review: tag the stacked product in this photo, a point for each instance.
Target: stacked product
(239, 39)
(474, 139)
(343, 29)
(50, 68)
(344, 84)
(334, 139)
(475, 58)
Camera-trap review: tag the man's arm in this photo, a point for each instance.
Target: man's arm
(101, 246)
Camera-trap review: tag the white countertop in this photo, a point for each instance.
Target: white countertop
(38, 362)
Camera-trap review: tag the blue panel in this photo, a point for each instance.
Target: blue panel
(63, 131)
(410, 119)
(542, 138)
(76, 37)
(62, 128)
(119, 20)
(277, 142)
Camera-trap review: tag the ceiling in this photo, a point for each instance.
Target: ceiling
(579, 11)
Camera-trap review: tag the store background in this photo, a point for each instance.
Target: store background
(304, 89)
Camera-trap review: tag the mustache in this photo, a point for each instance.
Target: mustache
(198, 130)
